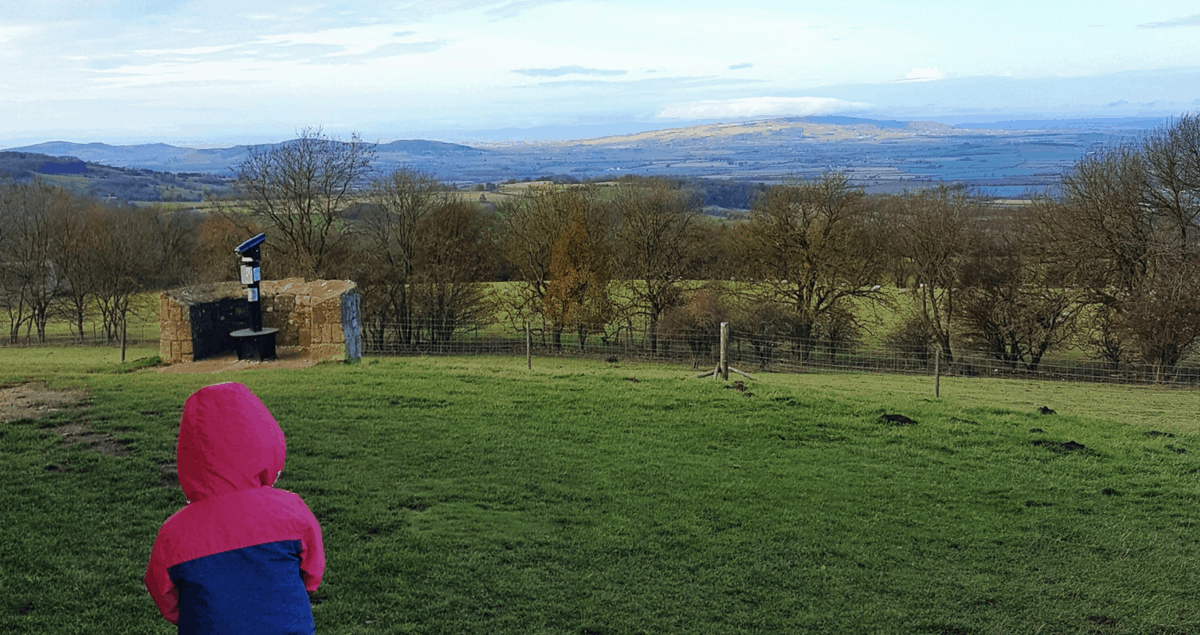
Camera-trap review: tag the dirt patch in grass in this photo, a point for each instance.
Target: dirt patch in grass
(287, 358)
(83, 433)
(1069, 446)
(35, 400)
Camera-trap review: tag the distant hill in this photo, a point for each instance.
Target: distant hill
(225, 161)
(22, 166)
(106, 181)
(418, 147)
(880, 155)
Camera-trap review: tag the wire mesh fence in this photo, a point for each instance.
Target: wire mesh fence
(750, 353)
(140, 335)
(745, 351)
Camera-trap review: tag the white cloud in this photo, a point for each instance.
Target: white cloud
(1187, 20)
(759, 107)
(923, 75)
(567, 70)
(195, 50)
(357, 40)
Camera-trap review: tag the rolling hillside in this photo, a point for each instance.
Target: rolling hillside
(882, 156)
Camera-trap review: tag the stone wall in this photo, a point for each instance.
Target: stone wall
(320, 317)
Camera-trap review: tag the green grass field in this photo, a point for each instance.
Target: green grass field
(472, 495)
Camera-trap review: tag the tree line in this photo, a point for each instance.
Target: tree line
(1105, 263)
(73, 258)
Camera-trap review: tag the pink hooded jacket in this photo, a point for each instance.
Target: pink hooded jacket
(241, 555)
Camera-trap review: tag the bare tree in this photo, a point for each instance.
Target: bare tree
(398, 210)
(1125, 231)
(1010, 308)
(697, 322)
(657, 244)
(1163, 314)
(212, 258)
(450, 263)
(811, 246)
(174, 240)
(937, 230)
(1097, 234)
(302, 190)
(1171, 156)
(28, 212)
(764, 324)
(124, 261)
(71, 258)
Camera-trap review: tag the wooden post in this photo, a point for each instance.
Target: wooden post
(722, 369)
(724, 352)
(528, 347)
(937, 373)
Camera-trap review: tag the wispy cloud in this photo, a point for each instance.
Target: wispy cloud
(743, 65)
(351, 41)
(11, 33)
(759, 107)
(567, 70)
(195, 50)
(513, 9)
(1190, 20)
(923, 75)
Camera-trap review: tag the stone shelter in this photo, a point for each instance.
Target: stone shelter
(321, 317)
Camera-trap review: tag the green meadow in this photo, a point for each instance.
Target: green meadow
(471, 495)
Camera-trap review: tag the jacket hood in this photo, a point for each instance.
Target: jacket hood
(228, 441)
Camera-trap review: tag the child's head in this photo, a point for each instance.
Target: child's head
(228, 441)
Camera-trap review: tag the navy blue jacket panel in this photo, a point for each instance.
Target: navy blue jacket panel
(255, 590)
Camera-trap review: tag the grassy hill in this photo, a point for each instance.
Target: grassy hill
(106, 181)
(472, 495)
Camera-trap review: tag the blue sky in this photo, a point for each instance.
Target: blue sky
(223, 71)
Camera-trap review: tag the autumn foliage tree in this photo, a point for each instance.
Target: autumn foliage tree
(577, 294)
(533, 237)
(697, 321)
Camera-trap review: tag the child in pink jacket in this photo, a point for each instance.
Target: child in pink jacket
(242, 556)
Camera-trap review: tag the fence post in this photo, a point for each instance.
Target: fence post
(937, 373)
(724, 352)
(528, 347)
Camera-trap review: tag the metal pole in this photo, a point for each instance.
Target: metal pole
(724, 351)
(528, 347)
(937, 373)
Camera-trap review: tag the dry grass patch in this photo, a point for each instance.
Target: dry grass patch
(35, 400)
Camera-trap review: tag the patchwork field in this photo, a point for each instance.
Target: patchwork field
(472, 495)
